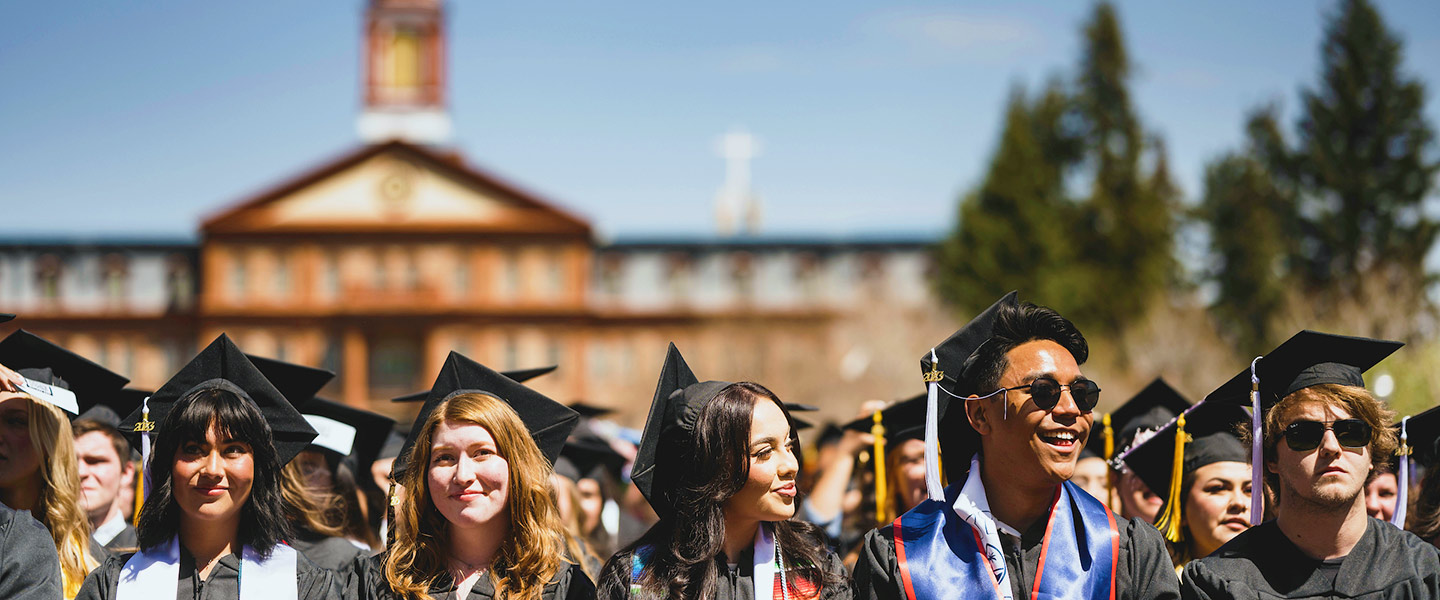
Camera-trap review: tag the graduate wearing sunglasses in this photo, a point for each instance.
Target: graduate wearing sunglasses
(1010, 524)
(1321, 434)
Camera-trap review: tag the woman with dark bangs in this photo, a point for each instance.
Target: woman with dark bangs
(717, 462)
(212, 524)
(477, 520)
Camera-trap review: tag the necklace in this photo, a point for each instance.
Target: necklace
(780, 566)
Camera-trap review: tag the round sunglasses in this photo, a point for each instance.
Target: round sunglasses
(1045, 391)
(1304, 436)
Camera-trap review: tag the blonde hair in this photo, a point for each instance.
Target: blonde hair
(58, 503)
(575, 544)
(531, 554)
(309, 510)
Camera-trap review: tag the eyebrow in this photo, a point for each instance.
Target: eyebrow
(769, 439)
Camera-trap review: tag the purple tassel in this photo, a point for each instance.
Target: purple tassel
(1402, 478)
(1257, 458)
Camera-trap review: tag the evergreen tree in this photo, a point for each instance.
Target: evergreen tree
(1130, 213)
(1016, 230)
(1362, 157)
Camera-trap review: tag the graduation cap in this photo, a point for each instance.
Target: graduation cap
(548, 421)
(943, 368)
(58, 376)
(1207, 433)
(674, 410)
(222, 366)
(346, 431)
(586, 455)
(1419, 442)
(893, 425)
(1307, 359)
(519, 376)
(1149, 409)
(589, 411)
(298, 383)
(111, 406)
(6, 317)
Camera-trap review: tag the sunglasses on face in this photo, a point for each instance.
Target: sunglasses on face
(1304, 436)
(1045, 391)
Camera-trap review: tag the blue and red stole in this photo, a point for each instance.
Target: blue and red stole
(939, 554)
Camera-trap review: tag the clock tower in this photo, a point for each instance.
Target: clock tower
(404, 78)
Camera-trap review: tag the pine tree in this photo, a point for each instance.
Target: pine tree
(1363, 157)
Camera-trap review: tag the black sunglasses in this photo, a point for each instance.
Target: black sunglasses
(1304, 436)
(1045, 391)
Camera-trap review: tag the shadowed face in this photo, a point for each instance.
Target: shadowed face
(18, 459)
(1217, 505)
(212, 478)
(1380, 496)
(102, 473)
(1031, 445)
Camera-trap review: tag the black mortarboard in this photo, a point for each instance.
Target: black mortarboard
(548, 421)
(798, 407)
(520, 376)
(801, 424)
(670, 426)
(366, 431)
(955, 357)
(1150, 409)
(1308, 358)
(298, 383)
(6, 317)
(42, 361)
(110, 407)
(590, 411)
(394, 441)
(903, 420)
(222, 365)
(1212, 435)
(590, 457)
(1422, 433)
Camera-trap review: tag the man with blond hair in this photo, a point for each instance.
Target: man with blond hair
(1321, 437)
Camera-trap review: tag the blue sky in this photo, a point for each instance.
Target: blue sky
(139, 118)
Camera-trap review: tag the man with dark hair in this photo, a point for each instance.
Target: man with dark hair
(104, 469)
(1011, 525)
(1320, 437)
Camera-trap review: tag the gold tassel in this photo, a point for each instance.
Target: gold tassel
(882, 501)
(1109, 433)
(391, 501)
(139, 492)
(1169, 521)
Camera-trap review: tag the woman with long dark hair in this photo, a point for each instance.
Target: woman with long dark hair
(477, 519)
(213, 523)
(717, 462)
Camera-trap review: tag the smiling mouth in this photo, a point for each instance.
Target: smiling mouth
(211, 491)
(1063, 440)
(787, 490)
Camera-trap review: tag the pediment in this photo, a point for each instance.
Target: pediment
(395, 188)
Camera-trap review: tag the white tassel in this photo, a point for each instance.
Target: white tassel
(932, 431)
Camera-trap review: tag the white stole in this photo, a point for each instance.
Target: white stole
(148, 573)
(974, 507)
(765, 572)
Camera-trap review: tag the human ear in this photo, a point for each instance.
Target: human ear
(978, 413)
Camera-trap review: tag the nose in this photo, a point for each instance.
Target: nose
(464, 471)
(790, 466)
(210, 465)
(1328, 443)
(1066, 405)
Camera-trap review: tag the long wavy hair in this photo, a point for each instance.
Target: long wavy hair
(533, 552)
(575, 542)
(310, 510)
(680, 550)
(58, 503)
(262, 517)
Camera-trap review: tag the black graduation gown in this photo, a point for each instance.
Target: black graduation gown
(736, 583)
(29, 564)
(314, 583)
(1143, 569)
(334, 553)
(1261, 562)
(367, 582)
(124, 541)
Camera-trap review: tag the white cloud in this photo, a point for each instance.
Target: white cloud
(952, 35)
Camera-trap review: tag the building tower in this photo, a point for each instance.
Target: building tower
(404, 73)
(737, 206)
